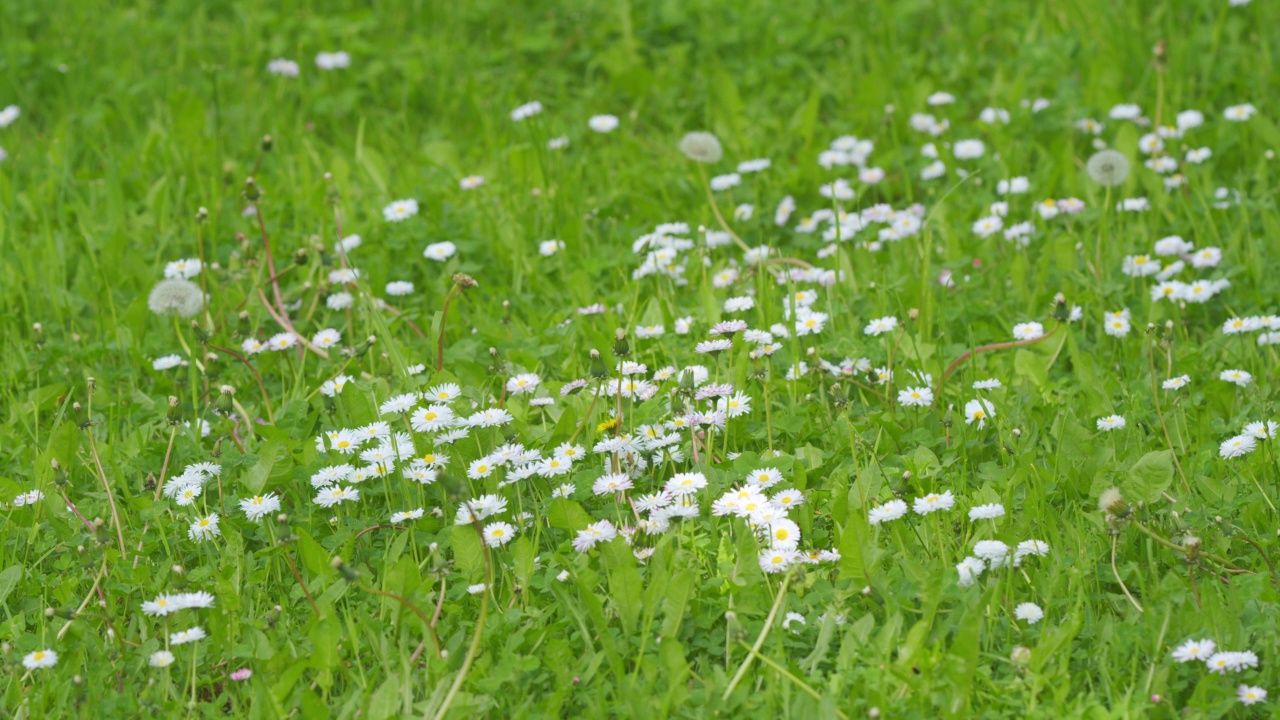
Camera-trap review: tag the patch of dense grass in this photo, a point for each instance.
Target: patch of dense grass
(552, 539)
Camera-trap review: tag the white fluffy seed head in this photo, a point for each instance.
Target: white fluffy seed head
(176, 296)
(702, 147)
(1108, 168)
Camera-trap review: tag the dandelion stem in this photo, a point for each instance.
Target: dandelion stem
(475, 638)
(444, 317)
(788, 675)
(111, 498)
(1116, 572)
(298, 577)
(431, 630)
(764, 633)
(1155, 395)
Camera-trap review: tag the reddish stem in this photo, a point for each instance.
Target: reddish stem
(987, 348)
(266, 399)
(283, 321)
(271, 263)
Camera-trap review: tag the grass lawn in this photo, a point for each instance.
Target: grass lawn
(639, 359)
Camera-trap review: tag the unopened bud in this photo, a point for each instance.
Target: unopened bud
(348, 573)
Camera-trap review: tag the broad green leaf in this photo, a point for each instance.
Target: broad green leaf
(675, 599)
(9, 580)
(256, 478)
(325, 635)
(314, 557)
(1150, 476)
(522, 554)
(468, 549)
(566, 514)
(386, 699)
(625, 588)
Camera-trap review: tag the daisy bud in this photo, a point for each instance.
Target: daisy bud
(224, 402)
(282, 518)
(598, 370)
(75, 337)
(80, 548)
(251, 191)
(348, 573)
(1021, 655)
(300, 256)
(620, 346)
(906, 474)
(1060, 312)
(178, 569)
(1191, 543)
(202, 335)
(77, 679)
(202, 214)
(267, 143)
(48, 612)
(913, 314)
(873, 713)
(363, 348)
(1017, 433)
(37, 328)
